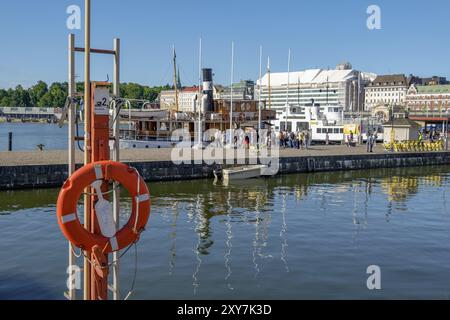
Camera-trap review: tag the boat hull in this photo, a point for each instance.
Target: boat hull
(242, 173)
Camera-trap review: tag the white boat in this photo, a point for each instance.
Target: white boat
(242, 173)
(319, 121)
(326, 125)
(145, 144)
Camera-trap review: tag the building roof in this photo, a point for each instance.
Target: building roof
(311, 76)
(433, 89)
(190, 89)
(403, 122)
(393, 79)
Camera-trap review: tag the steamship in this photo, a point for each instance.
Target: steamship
(155, 128)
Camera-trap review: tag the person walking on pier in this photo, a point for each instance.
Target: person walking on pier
(281, 138)
(420, 137)
(370, 139)
(301, 140)
(297, 140)
(292, 139)
(307, 136)
(350, 138)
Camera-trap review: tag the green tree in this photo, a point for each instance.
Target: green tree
(58, 93)
(37, 92)
(133, 91)
(150, 93)
(5, 98)
(55, 96)
(46, 101)
(3, 95)
(80, 87)
(20, 97)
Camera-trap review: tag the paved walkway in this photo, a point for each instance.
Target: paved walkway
(24, 158)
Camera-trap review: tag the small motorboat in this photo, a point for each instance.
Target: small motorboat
(242, 172)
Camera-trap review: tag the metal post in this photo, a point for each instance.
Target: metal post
(87, 137)
(259, 92)
(175, 80)
(71, 140)
(445, 132)
(10, 136)
(446, 135)
(200, 96)
(269, 89)
(116, 157)
(231, 95)
(287, 91)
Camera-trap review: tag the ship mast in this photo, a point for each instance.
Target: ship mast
(270, 89)
(287, 91)
(231, 91)
(200, 96)
(259, 90)
(175, 79)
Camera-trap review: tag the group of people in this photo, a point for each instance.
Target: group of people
(240, 139)
(430, 135)
(294, 140)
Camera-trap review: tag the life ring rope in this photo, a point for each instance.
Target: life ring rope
(74, 187)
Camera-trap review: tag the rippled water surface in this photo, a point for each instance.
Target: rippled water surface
(291, 237)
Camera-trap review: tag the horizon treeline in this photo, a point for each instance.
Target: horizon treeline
(54, 96)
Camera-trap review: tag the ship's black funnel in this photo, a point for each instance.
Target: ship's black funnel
(208, 89)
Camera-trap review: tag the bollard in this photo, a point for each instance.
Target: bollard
(10, 135)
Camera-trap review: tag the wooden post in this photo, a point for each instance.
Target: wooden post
(116, 157)
(10, 137)
(87, 137)
(71, 140)
(99, 152)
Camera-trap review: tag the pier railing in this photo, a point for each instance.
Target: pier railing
(16, 111)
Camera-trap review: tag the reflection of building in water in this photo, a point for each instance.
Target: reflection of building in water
(252, 204)
(432, 181)
(400, 188)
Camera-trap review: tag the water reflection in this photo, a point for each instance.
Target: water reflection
(199, 223)
(283, 231)
(254, 203)
(173, 236)
(212, 215)
(228, 242)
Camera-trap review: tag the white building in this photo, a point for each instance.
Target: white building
(431, 98)
(343, 86)
(186, 98)
(386, 90)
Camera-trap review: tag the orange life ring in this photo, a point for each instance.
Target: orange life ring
(72, 190)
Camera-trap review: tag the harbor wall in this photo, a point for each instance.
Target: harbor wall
(53, 176)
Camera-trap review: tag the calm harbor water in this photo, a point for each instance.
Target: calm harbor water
(26, 136)
(290, 237)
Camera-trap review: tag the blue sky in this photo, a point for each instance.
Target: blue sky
(414, 37)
